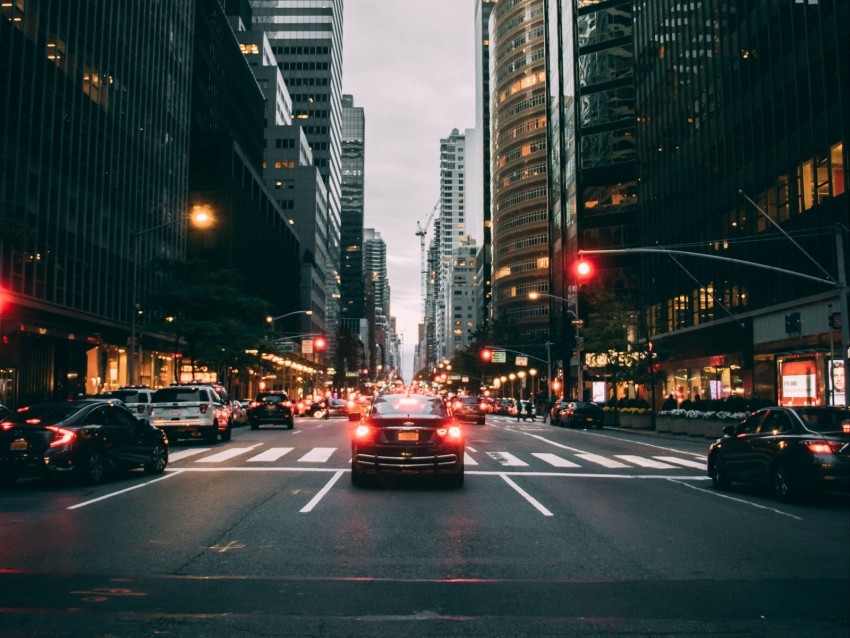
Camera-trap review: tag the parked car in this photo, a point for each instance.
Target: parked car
(191, 411)
(137, 398)
(87, 439)
(271, 408)
(792, 450)
(470, 408)
(578, 414)
(524, 410)
(337, 407)
(407, 434)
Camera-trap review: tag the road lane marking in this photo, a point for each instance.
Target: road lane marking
(507, 459)
(528, 497)
(604, 461)
(182, 454)
(468, 460)
(317, 455)
(318, 497)
(129, 489)
(685, 462)
(644, 462)
(737, 500)
(554, 459)
(572, 449)
(227, 454)
(272, 454)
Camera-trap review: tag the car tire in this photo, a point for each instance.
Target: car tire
(211, 435)
(481, 421)
(783, 487)
(290, 425)
(358, 478)
(94, 468)
(227, 434)
(158, 460)
(719, 478)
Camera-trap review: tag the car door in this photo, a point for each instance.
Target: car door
(768, 443)
(737, 452)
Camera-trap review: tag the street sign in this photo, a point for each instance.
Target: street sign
(286, 347)
(307, 346)
(499, 356)
(521, 361)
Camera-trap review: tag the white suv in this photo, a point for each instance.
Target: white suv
(135, 398)
(190, 411)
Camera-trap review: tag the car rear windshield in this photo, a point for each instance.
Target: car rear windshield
(825, 419)
(179, 395)
(402, 404)
(125, 395)
(469, 400)
(272, 398)
(44, 413)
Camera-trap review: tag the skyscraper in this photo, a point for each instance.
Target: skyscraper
(351, 235)
(518, 145)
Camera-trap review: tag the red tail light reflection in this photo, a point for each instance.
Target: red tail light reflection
(823, 447)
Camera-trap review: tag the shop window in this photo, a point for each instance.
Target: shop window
(836, 161)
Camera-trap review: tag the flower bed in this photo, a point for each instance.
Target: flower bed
(708, 424)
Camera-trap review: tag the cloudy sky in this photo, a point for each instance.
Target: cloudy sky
(411, 66)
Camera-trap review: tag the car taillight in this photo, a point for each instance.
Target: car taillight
(203, 408)
(351, 405)
(7, 426)
(823, 447)
(482, 406)
(288, 404)
(451, 432)
(61, 436)
(458, 405)
(140, 409)
(253, 404)
(362, 432)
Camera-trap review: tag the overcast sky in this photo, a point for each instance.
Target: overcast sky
(411, 66)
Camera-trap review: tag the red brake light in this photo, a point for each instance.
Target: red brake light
(362, 432)
(351, 405)
(482, 406)
(61, 436)
(823, 447)
(455, 432)
(7, 425)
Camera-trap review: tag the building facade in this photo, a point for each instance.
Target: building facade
(519, 164)
(744, 119)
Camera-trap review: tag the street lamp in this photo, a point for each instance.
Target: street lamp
(270, 320)
(533, 373)
(576, 323)
(521, 375)
(512, 377)
(200, 217)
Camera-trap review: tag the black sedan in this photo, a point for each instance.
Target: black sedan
(578, 414)
(470, 408)
(792, 450)
(86, 439)
(271, 408)
(407, 434)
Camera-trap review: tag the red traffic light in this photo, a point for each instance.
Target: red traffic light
(486, 354)
(320, 343)
(584, 269)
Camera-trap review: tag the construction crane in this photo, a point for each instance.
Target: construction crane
(421, 231)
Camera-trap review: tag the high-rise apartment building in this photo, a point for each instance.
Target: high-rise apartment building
(351, 234)
(378, 299)
(462, 312)
(518, 156)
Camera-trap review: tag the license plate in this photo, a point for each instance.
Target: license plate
(175, 413)
(408, 436)
(18, 444)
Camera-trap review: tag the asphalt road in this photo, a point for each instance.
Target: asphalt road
(556, 533)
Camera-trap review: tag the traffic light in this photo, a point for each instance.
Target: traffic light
(320, 343)
(486, 355)
(584, 269)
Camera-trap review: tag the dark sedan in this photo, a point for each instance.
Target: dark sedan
(271, 408)
(578, 414)
(469, 408)
(86, 439)
(407, 434)
(793, 450)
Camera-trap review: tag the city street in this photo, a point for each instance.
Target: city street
(556, 532)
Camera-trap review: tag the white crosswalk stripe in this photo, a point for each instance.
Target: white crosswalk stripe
(644, 462)
(182, 454)
(601, 460)
(225, 455)
(468, 460)
(270, 455)
(686, 462)
(317, 455)
(554, 460)
(507, 459)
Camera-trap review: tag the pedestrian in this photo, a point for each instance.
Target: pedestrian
(669, 403)
(520, 413)
(529, 410)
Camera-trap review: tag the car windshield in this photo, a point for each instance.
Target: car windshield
(169, 395)
(44, 413)
(825, 419)
(124, 395)
(405, 404)
(272, 398)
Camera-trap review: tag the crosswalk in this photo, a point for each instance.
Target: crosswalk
(259, 454)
